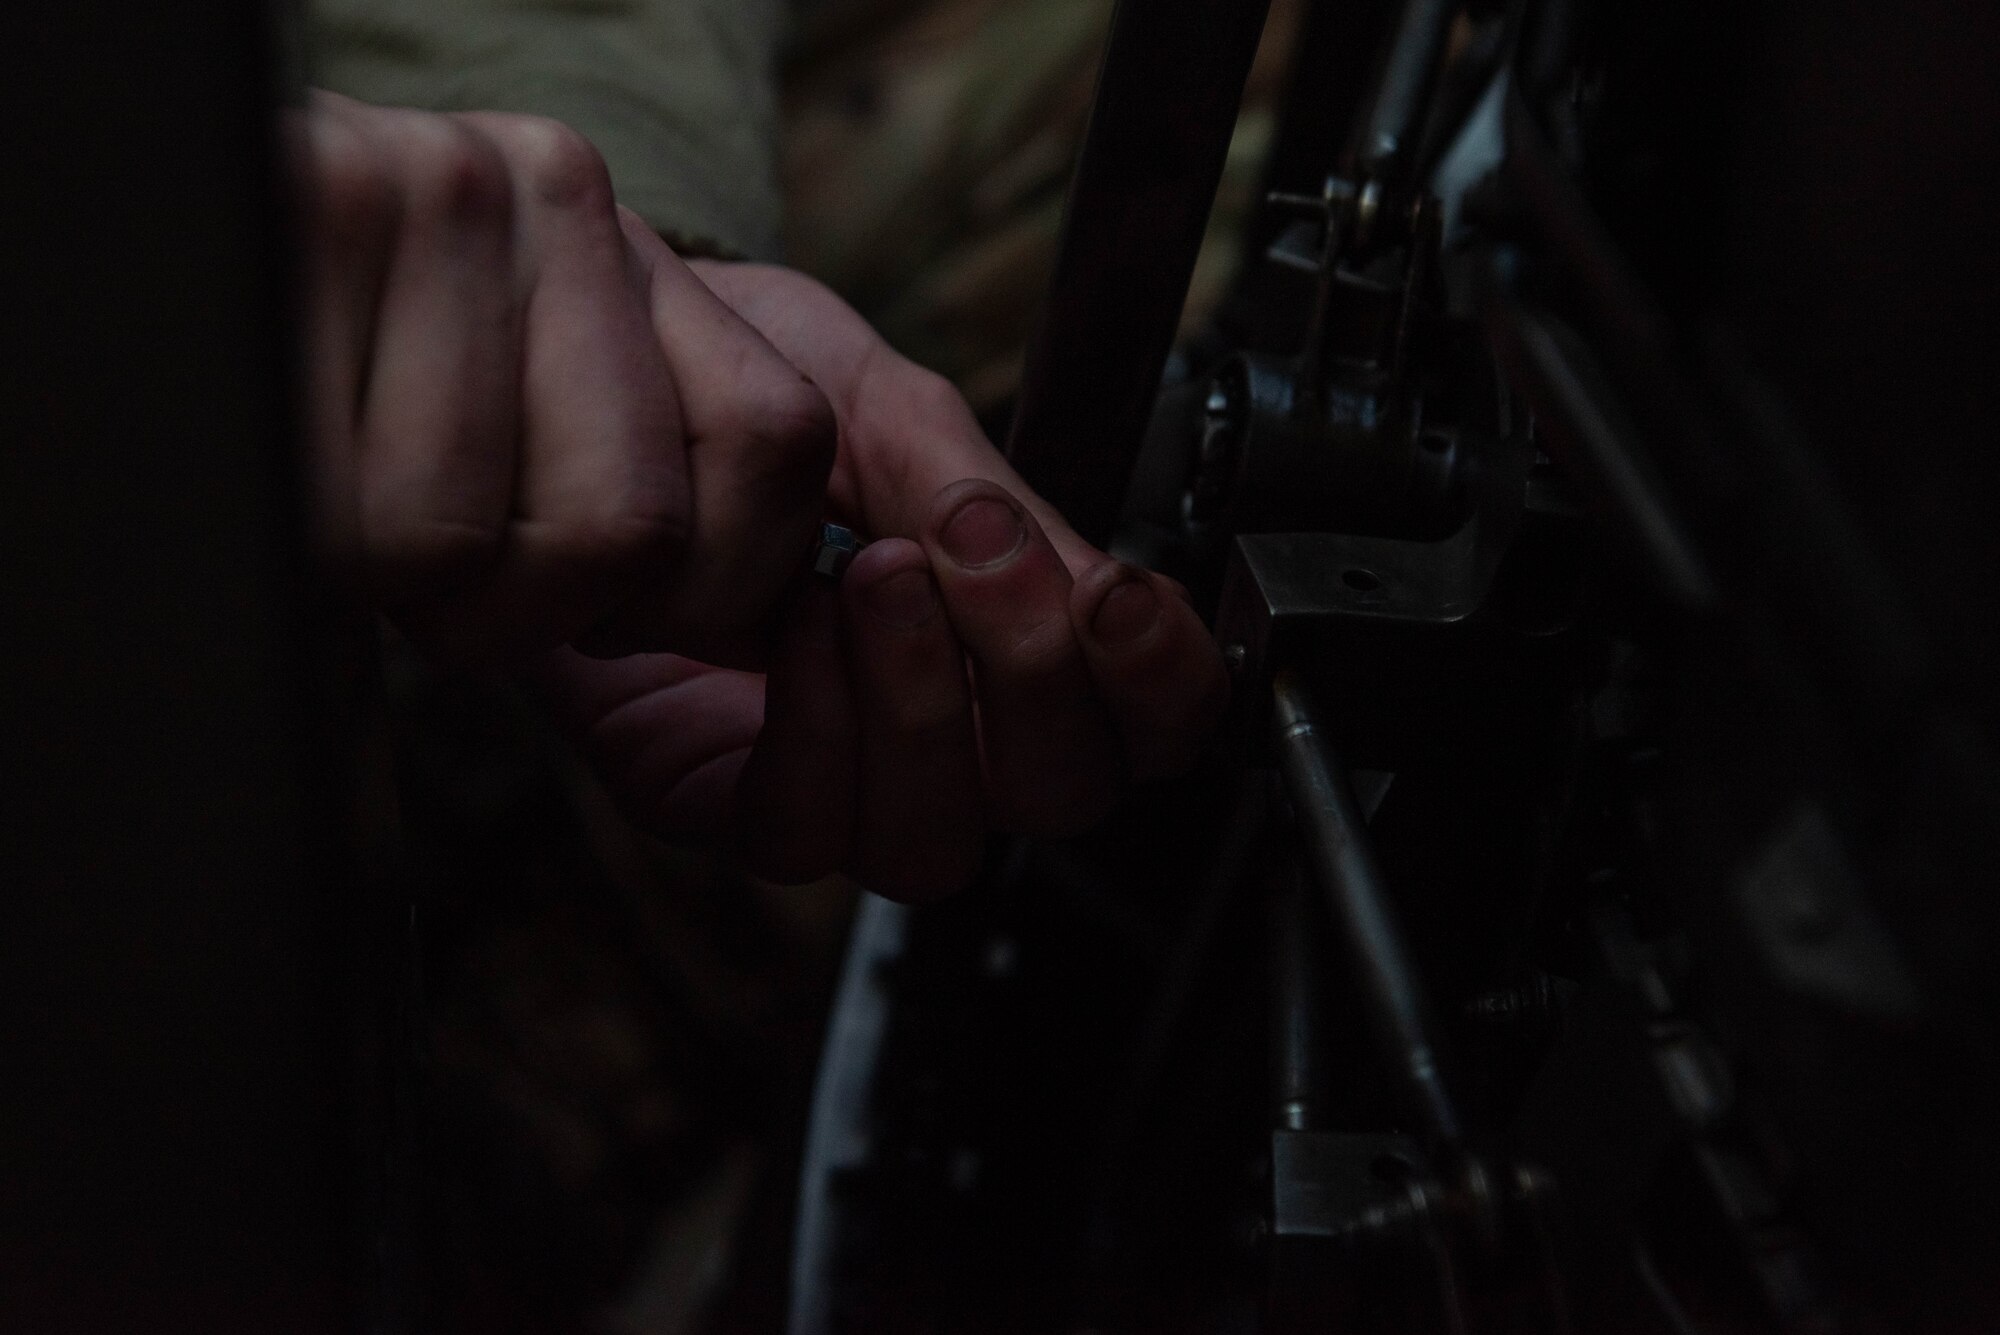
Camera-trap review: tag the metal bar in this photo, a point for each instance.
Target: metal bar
(1167, 97)
(1336, 844)
(1299, 1076)
(837, 1134)
(1332, 58)
(1585, 416)
(1386, 139)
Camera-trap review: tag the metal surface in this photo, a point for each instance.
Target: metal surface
(836, 551)
(1298, 1004)
(837, 1139)
(1372, 948)
(1416, 626)
(1695, 863)
(1167, 94)
(1604, 445)
(1386, 139)
(1336, 48)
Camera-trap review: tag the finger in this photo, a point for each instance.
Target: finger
(795, 801)
(918, 828)
(601, 498)
(760, 441)
(916, 434)
(1050, 758)
(906, 431)
(351, 206)
(669, 736)
(439, 420)
(906, 434)
(1156, 666)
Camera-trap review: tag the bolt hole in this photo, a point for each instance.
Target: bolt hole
(1359, 580)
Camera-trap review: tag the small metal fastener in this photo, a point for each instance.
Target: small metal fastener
(837, 549)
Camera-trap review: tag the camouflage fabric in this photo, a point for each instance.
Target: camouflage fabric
(927, 148)
(923, 148)
(678, 95)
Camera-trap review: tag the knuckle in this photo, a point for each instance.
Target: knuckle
(781, 430)
(620, 535)
(561, 167)
(933, 396)
(791, 425)
(353, 187)
(642, 535)
(460, 176)
(921, 399)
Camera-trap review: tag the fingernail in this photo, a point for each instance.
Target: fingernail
(905, 600)
(983, 532)
(1126, 613)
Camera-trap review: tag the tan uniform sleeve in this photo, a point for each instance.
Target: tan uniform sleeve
(679, 95)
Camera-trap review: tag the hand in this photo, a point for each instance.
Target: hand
(532, 424)
(870, 749)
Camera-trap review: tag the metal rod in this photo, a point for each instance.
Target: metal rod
(1385, 140)
(1167, 97)
(1337, 850)
(1297, 952)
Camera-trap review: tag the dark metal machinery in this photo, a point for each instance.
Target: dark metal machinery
(1600, 843)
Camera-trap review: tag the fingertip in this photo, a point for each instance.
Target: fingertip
(890, 582)
(1093, 583)
(1173, 586)
(1156, 666)
(976, 525)
(1117, 608)
(903, 603)
(882, 556)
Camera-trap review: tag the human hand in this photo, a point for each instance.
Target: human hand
(871, 749)
(531, 424)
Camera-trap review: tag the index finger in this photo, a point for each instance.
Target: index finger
(759, 442)
(906, 432)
